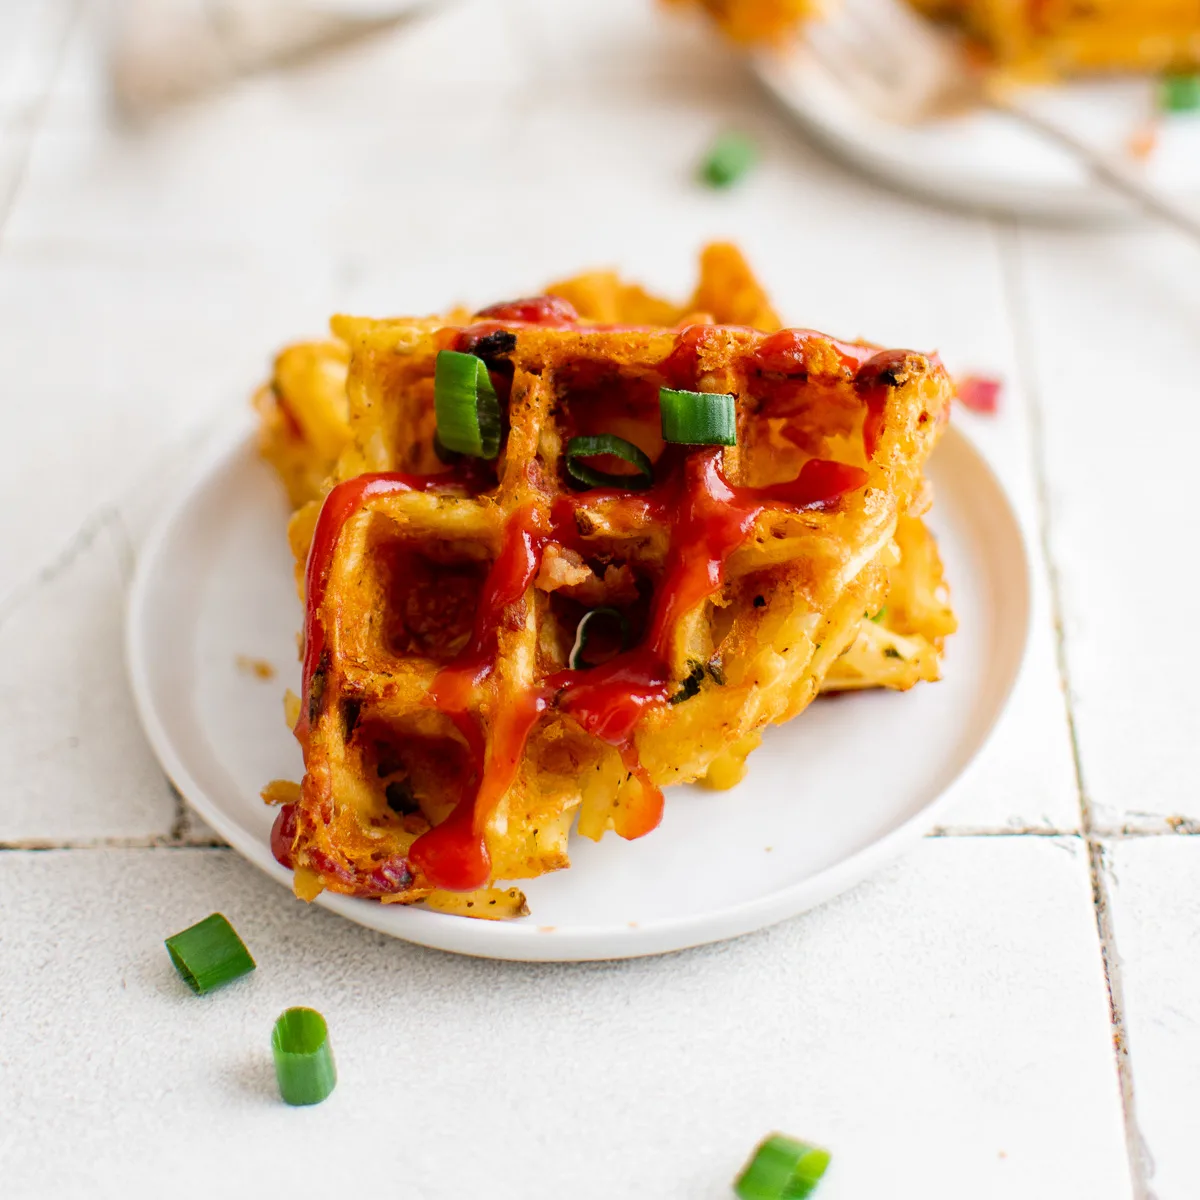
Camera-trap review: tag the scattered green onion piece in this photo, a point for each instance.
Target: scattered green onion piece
(880, 615)
(576, 661)
(304, 1063)
(698, 418)
(468, 412)
(209, 954)
(1180, 93)
(782, 1169)
(728, 160)
(579, 448)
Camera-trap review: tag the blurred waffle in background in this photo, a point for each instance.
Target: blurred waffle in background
(1032, 38)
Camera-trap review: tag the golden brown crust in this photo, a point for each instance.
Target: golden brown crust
(791, 614)
(817, 574)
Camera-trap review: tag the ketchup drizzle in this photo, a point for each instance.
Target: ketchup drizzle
(535, 310)
(454, 854)
(340, 505)
(710, 519)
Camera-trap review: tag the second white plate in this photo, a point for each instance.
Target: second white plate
(984, 160)
(828, 799)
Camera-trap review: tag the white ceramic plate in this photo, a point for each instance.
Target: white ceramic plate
(984, 160)
(828, 799)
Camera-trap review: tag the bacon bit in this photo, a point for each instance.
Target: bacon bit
(980, 394)
(258, 667)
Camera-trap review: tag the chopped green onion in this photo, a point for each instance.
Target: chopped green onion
(782, 1169)
(468, 412)
(729, 158)
(576, 660)
(698, 418)
(209, 954)
(1180, 93)
(449, 457)
(607, 443)
(880, 615)
(304, 1063)
(690, 686)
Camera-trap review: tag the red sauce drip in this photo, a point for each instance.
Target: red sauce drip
(636, 820)
(712, 519)
(340, 505)
(608, 700)
(682, 365)
(283, 835)
(872, 382)
(536, 310)
(454, 854)
(820, 482)
(786, 352)
(876, 402)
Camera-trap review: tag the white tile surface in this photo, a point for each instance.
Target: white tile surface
(32, 36)
(76, 763)
(1109, 317)
(628, 43)
(117, 357)
(943, 1022)
(14, 145)
(1156, 914)
(431, 57)
(951, 1016)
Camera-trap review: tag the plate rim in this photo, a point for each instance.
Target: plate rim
(523, 941)
(997, 195)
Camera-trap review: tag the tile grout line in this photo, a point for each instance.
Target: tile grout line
(179, 825)
(37, 118)
(1141, 1166)
(147, 842)
(105, 520)
(177, 838)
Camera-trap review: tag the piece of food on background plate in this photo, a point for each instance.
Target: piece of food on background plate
(754, 22)
(576, 548)
(1025, 38)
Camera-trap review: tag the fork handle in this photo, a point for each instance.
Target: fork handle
(1110, 169)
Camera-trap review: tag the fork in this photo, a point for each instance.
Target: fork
(903, 68)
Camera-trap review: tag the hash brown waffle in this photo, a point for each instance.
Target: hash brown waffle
(447, 742)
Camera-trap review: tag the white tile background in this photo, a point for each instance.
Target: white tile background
(949, 1028)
